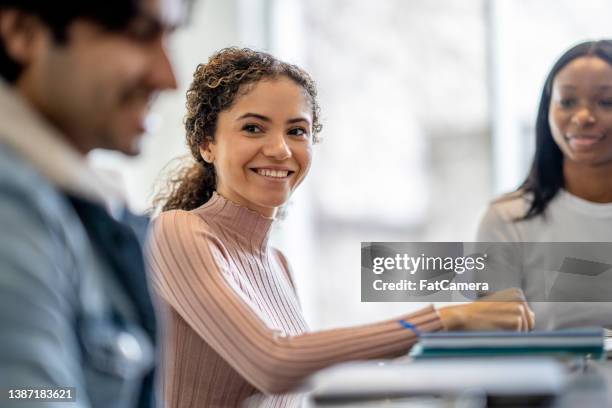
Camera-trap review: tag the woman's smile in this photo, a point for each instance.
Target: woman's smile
(274, 174)
(583, 142)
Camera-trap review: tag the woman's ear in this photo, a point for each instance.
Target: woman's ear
(207, 151)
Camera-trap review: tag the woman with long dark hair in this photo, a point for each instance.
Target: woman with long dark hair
(234, 324)
(567, 195)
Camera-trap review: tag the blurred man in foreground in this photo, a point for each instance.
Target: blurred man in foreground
(74, 306)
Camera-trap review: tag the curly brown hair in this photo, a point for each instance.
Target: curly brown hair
(226, 76)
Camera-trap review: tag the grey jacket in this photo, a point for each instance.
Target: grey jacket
(69, 317)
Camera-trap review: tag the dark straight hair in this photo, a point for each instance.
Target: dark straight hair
(59, 14)
(545, 177)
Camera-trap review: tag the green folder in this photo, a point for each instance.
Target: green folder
(585, 342)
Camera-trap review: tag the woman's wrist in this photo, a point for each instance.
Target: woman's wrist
(449, 317)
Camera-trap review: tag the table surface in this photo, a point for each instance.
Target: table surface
(590, 386)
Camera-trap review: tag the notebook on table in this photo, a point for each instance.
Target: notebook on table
(583, 342)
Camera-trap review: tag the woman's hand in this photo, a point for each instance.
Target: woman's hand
(504, 310)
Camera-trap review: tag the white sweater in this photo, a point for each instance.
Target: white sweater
(567, 219)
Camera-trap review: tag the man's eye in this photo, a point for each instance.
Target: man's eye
(252, 128)
(144, 29)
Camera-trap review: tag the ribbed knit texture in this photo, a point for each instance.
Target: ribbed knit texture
(234, 327)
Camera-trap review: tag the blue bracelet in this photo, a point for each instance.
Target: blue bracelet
(410, 327)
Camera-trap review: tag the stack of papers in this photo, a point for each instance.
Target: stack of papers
(587, 342)
(608, 343)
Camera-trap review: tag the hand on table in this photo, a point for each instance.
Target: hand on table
(503, 310)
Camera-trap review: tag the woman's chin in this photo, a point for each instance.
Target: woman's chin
(591, 158)
(273, 202)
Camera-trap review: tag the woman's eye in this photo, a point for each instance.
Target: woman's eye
(606, 103)
(567, 103)
(252, 128)
(300, 132)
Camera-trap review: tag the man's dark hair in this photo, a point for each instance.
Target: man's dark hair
(59, 14)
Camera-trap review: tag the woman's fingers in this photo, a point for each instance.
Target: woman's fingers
(514, 318)
(505, 310)
(524, 319)
(508, 316)
(531, 319)
(521, 311)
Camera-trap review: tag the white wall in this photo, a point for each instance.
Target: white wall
(528, 37)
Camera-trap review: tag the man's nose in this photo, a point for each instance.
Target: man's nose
(161, 69)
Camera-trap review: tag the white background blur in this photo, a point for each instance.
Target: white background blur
(428, 111)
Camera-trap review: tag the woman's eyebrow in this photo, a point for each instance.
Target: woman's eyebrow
(255, 115)
(295, 120)
(267, 119)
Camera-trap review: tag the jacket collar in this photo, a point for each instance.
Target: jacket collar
(46, 149)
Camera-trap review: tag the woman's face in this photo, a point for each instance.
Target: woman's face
(580, 114)
(263, 145)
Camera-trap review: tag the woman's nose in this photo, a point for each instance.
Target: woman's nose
(583, 118)
(276, 147)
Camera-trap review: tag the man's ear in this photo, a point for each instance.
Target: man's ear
(207, 151)
(23, 35)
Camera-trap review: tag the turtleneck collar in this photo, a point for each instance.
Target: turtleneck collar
(244, 222)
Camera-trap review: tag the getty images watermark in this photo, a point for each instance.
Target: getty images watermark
(460, 271)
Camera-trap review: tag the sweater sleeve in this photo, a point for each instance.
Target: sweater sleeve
(189, 268)
(497, 222)
(500, 239)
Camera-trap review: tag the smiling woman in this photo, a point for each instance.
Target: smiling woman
(234, 324)
(567, 196)
(224, 114)
(581, 115)
(263, 146)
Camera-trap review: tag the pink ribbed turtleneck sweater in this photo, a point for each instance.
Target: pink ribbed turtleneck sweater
(234, 327)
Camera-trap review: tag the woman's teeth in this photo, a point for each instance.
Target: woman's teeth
(273, 173)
